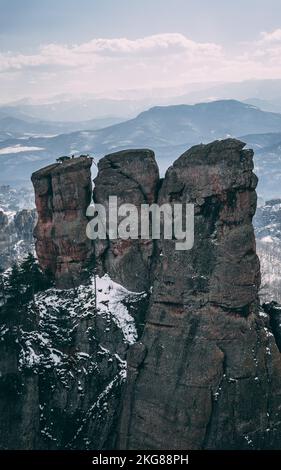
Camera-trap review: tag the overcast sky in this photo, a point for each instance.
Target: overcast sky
(103, 46)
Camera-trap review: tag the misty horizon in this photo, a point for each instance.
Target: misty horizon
(94, 50)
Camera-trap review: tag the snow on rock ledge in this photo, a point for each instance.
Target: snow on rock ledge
(71, 363)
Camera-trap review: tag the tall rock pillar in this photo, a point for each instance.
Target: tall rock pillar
(63, 192)
(206, 373)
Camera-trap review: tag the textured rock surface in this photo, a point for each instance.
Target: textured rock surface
(24, 222)
(132, 176)
(62, 195)
(273, 309)
(206, 372)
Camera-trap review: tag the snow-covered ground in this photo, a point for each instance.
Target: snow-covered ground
(269, 252)
(77, 304)
(268, 237)
(74, 341)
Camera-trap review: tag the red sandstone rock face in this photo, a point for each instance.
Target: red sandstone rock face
(132, 176)
(62, 195)
(206, 372)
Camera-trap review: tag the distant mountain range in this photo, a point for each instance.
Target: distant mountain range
(15, 126)
(266, 94)
(168, 130)
(77, 110)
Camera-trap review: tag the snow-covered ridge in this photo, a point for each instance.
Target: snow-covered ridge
(110, 299)
(75, 305)
(70, 345)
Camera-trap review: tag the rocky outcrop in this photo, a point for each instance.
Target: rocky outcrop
(25, 221)
(132, 176)
(16, 235)
(62, 195)
(273, 309)
(206, 373)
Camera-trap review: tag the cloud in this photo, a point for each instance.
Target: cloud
(172, 43)
(93, 51)
(266, 50)
(163, 60)
(272, 37)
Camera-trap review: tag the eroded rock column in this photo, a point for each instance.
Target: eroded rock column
(133, 177)
(62, 195)
(206, 372)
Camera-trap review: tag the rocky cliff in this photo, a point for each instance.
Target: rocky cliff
(206, 372)
(62, 195)
(133, 177)
(187, 361)
(63, 355)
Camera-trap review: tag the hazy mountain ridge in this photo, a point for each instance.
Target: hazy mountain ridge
(19, 127)
(168, 130)
(266, 94)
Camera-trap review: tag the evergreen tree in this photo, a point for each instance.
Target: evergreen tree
(14, 287)
(25, 281)
(33, 278)
(22, 283)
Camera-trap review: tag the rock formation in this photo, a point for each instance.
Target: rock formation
(273, 309)
(132, 176)
(206, 373)
(24, 223)
(62, 195)
(16, 235)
